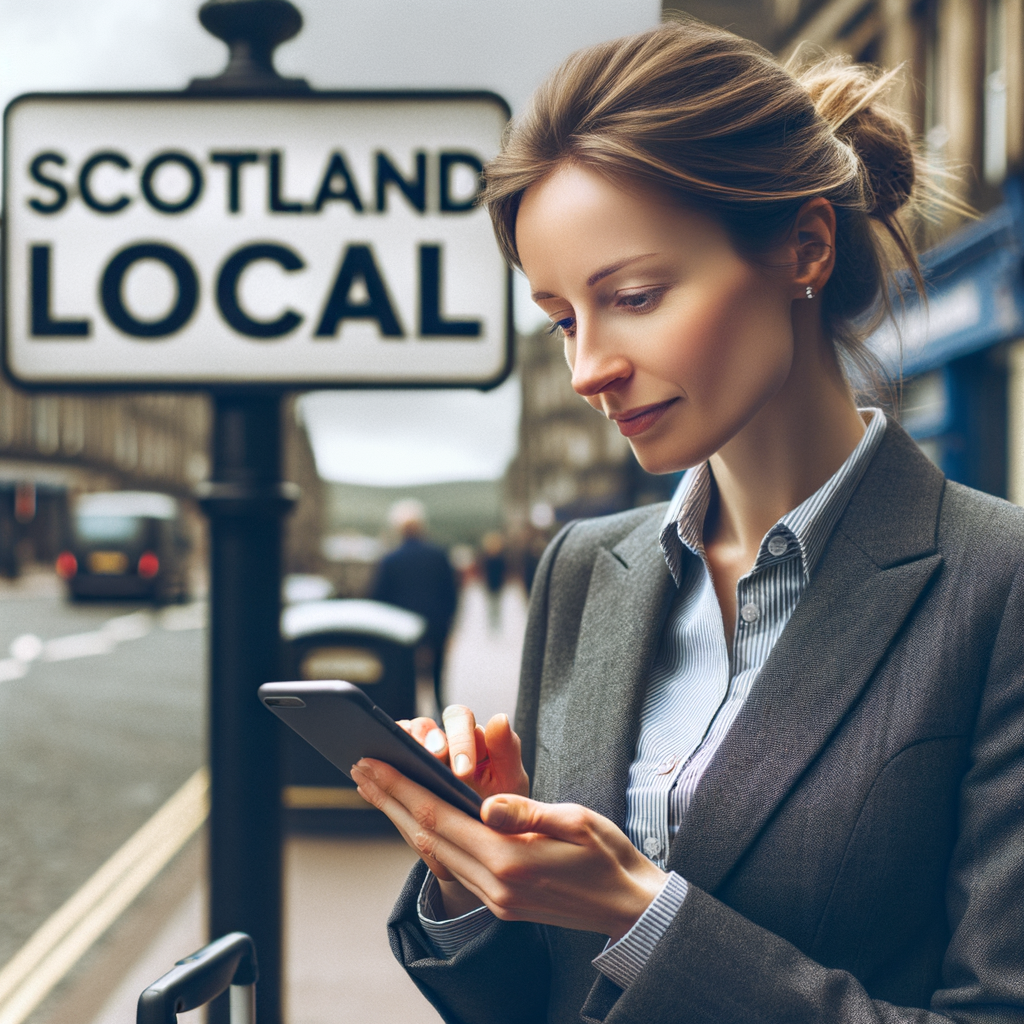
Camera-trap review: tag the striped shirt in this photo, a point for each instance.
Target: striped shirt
(696, 689)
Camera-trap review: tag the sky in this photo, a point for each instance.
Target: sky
(386, 438)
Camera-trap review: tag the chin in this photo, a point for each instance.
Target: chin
(674, 451)
(658, 462)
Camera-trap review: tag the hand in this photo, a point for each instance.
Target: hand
(487, 758)
(559, 864)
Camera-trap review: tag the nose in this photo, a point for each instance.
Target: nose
(596, 364)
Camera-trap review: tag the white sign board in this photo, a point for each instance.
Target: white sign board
(326, 240)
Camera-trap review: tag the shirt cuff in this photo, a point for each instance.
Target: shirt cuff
(623, 961)
(451, 934)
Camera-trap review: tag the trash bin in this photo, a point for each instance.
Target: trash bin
(370, 644)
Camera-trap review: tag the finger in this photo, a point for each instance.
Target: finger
(419, 727)
(391, 792)
(465, 867)
(426, 732)
(482, 757)
(460, 725)
(400, 817)
(502, 742)
(511, 814)
(507, 773)
(419, 804)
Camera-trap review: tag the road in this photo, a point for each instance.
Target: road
(102, 718)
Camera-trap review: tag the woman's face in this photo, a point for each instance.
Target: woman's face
(668, 331)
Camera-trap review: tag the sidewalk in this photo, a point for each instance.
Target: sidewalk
(339, 966)
(483, 663)
(339, 890)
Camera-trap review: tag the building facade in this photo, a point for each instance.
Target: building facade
(54, 446)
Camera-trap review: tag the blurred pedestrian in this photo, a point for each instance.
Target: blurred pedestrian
(418, 576)
(494, 567)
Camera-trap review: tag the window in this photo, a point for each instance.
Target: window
(994, 154)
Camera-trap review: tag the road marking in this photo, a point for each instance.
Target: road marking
(78, 645)
(61, 941)
(28, 647)
(100, 641)
(185, 616)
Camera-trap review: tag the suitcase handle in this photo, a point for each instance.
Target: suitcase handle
(194, 981)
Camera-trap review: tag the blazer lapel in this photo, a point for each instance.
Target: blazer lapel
(628, 599)
(876, 565)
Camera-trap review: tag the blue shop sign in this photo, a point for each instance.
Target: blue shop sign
(975, 295)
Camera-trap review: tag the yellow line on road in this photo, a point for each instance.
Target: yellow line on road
(70, 931)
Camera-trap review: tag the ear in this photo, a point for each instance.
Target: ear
(811, 247)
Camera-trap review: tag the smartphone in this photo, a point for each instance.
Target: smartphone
(341, 722)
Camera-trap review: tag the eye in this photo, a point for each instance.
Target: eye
(567, 325)
(640, 302)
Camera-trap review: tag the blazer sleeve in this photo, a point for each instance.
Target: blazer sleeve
(713, 965)
(501, 976)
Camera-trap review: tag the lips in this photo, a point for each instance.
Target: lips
(636, 421)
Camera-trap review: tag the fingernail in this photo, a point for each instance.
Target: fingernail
(364, 767)
(462, 764)
(497, 812)
(435, 741)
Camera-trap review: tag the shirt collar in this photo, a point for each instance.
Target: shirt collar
(809, 525)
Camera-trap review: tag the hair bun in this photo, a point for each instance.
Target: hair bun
(848, 97)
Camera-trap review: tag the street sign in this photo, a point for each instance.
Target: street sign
(318, 240)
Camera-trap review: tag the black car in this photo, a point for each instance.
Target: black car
(126, 544)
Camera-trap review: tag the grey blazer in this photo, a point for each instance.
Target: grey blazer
(855, 852)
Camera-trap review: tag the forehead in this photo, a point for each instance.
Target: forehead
(577, 216)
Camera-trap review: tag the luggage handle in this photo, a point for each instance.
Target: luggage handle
(194, 981)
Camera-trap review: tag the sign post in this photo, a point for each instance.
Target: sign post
(246, 502)
(249, 237)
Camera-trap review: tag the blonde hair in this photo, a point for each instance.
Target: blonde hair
(715, 121)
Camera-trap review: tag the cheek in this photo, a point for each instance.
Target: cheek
(741, 342)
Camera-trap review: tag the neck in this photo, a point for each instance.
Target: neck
(789, 449)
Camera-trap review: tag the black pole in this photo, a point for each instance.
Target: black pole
(246, 502)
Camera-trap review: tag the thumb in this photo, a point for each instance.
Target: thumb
(513, 815)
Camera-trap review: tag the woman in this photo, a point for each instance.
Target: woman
(773, 733)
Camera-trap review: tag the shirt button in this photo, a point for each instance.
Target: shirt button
(666, 766)
(652, 846)
(777, 545)
(750, 612)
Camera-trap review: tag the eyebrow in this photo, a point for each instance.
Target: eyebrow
(601, 274)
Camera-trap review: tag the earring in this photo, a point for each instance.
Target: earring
(810, 292)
